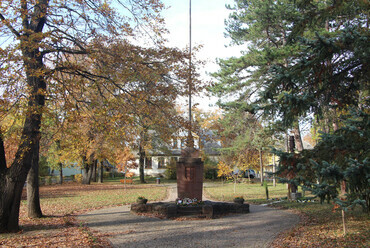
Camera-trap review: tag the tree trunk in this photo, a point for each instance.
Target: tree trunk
(292, 187)
(86, 171)
(344, 223)
(297, 137)
(60, 163)
(289, 191)
(94, 168)
(12, 179)
(60, 173)
(89, 175)
(101, 170)
(261, 167)
(2, 154)
(11, 189)
(33, 194)
(141, 164)
(11, 192)
(274, 169)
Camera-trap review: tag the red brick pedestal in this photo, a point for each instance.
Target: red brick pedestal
(190, 178)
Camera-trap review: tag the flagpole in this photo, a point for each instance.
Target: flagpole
(190, 136)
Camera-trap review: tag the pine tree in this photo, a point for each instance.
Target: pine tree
(306, 58)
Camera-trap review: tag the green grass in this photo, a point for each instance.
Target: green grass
(69, 198)
(136, 180)
(252, 192)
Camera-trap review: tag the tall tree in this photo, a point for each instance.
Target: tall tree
(43, 32)
(331, 77)
(303, 58)
(244, 140)
(263, 28)
(317, 66)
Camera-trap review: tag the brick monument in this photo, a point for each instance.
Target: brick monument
(190, 175)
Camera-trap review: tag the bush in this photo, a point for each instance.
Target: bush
(78, 178)
(210, 169)
(106, 174)
(43, 167)
(210, 173)
(68, 178)
(170, 172)
(130, 174)
(41, 180)
(48, 180)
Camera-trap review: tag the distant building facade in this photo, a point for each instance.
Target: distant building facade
(158, 159)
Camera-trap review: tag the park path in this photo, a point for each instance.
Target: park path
(256, 229)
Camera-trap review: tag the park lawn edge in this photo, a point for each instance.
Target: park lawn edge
(319, 226)
(62, 225)
(323, 227)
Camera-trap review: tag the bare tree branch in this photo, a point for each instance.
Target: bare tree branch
(15, 32)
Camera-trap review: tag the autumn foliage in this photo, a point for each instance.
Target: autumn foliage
(75, 75)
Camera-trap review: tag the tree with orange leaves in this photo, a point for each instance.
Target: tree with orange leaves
(40, 37)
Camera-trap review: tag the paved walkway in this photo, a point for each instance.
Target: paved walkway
(256, 229)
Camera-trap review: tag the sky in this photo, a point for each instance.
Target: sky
(208, 28)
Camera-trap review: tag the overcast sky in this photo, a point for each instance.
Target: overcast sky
(208, 27)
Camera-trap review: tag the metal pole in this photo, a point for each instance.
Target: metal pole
(190, 79)
(190, 141)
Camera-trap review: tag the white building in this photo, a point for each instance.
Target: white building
(158, 160)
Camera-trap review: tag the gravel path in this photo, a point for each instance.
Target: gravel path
(256, 229)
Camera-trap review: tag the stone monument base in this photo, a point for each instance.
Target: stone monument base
(208, 209)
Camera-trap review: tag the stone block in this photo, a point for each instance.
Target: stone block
(171, 211)
(207, 211)
(138, 208)
(160, 209)
(245, 208)
(189, 210)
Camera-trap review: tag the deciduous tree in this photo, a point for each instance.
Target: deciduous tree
(39, 36)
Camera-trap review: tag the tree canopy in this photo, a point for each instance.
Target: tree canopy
(304, 59)
(77, 69)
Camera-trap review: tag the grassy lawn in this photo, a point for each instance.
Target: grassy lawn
(136, 180)
(252, 192)
(60, 204)
(69, 198)
(320, 226)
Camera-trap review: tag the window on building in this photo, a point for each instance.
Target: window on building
(161, 163)
(174, 144)
(148, 163)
